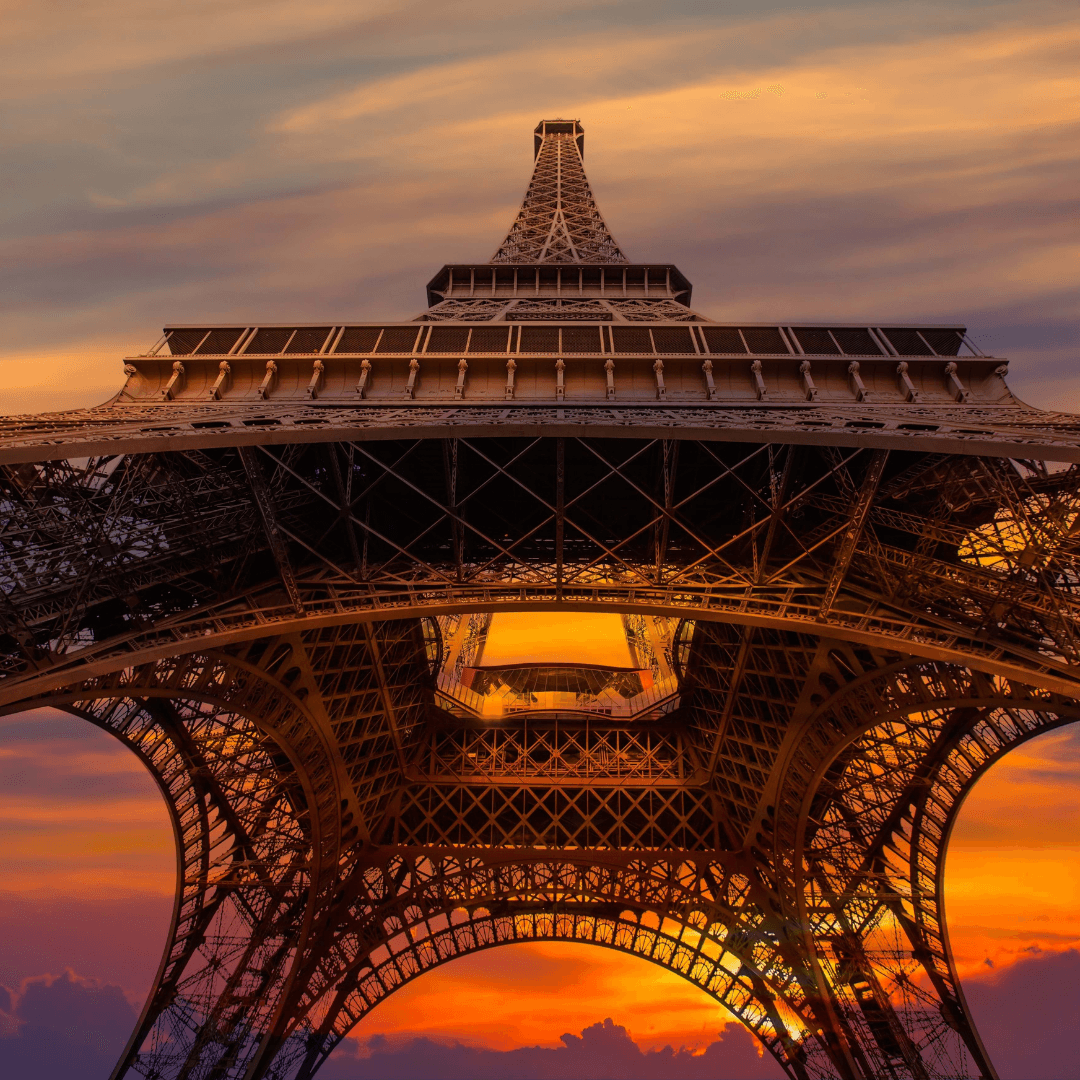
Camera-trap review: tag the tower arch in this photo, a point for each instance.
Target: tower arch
(457, 904)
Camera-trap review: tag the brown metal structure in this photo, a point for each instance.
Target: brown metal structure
(847, 562)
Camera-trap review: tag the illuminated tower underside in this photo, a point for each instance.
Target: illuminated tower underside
(846, 561)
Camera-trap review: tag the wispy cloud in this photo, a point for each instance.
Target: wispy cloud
(907, 163)
(79, 813)
(52, 40)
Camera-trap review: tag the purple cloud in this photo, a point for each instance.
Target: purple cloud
(63, 1027)
(1029, 1017)
(69, 1027)
(603, 1051)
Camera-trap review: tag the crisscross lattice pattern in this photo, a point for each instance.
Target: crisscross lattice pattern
(559, 221)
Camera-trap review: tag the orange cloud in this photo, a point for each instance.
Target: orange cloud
(951, 153)
(818, 165)
(79, 814)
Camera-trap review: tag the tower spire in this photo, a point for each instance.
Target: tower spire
(559, 221)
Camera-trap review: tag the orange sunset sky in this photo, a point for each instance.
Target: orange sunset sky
(244, 161)
(89, 874)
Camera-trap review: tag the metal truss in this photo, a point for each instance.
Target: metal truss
(138, 428)
(867, 872)
(659, 310)
(559, 221)
(275, 760)
(825, 538)
(866, 605)
(834, 710)
(310, 888)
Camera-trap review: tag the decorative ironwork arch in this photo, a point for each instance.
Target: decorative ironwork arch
(714, 919)
(896, 751)
(693, 918)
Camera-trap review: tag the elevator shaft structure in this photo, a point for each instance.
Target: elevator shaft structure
(846, 560)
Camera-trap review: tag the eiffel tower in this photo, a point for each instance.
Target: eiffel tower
(846, 562)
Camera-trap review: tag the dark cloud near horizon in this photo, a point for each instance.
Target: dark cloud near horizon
(603, 1051)
(63, 1027)
(72, 1028)
(69, 1027)
(1028, 1016)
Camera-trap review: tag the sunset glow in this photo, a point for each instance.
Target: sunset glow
(84, 833)
(851, 162)
(948, 127)
(539, 637)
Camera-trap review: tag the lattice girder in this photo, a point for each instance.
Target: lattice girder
(165, 1051)
(266, 793)
(248, 876)
(559, 221)
(851, 1005)
(515, 524)
(872, 783)
(139, 427)
(589, 309)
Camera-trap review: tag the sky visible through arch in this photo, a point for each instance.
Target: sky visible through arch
(886, 161)
(89, 869)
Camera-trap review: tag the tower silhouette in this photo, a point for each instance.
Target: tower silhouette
(846, 563)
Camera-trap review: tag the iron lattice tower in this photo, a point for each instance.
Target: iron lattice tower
(559, 221)
(846, 560)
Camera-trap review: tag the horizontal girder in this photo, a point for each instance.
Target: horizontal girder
(576, 365)
(100, 565)
(1006, 431)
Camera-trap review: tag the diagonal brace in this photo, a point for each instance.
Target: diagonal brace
(859, 513)
(265, 504)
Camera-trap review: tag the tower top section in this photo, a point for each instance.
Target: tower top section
(561, 317)
(558, 127)
(559, 221)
